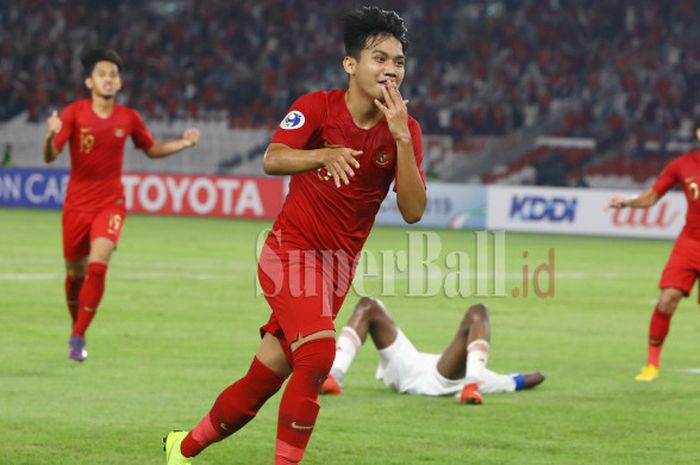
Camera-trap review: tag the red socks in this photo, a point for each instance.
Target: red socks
(73, 285)
(240, 402)
(658, 329)
(235, 406)
(299, 409)
(90, 296)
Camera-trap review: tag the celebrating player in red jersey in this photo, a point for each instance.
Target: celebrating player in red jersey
(683, 265)
(94, 212)
(343, 148)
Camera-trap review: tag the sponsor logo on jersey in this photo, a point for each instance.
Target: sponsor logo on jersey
(294, 120)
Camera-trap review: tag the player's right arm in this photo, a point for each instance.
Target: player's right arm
(280, 159)
(646, 199)
(669, 177)
(53, 127)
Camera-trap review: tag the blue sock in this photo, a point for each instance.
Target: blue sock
(519, 381)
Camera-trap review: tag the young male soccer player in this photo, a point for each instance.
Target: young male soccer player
(94, 212)
(461, 368)
(343, 148)
(683, 265)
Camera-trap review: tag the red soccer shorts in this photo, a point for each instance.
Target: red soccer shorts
(683, 265)
(81, 227)
(305, 296)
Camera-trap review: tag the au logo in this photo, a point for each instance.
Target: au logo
(384, 155)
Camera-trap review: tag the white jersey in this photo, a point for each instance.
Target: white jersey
(404, 369)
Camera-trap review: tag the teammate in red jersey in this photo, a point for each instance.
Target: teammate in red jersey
(683, 265)
(94, 212)
(343, 148)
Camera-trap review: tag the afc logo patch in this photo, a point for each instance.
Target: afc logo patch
(294, 120)
(384, 156)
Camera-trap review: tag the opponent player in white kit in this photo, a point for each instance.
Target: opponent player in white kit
(461, 368)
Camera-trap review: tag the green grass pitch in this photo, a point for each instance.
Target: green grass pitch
(180, 320)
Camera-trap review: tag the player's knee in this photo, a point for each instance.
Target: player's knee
(76, 268)
(315, 357)
(366, 302)
(369, 308)
(668, 302)
(477, 312)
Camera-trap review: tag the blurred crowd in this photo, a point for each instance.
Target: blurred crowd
(611, 69)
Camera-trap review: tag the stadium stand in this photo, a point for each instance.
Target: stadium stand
(612, 71)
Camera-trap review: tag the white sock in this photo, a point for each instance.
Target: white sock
(345, 349)
(477, 356)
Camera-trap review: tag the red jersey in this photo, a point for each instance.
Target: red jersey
(684, 170)
(97, 152)
(316, 214)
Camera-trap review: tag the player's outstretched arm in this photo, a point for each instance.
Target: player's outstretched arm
(162, 149)
(646, 199)
(410, 192)
(53, 126)
(281, 159)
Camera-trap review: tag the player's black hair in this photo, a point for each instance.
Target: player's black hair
(363, 24)
(90, 58)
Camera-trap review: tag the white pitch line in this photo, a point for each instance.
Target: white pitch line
(28, 276)
(160, 265)
(130, 276)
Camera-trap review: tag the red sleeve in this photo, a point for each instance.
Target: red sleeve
(67, 122)
(303, 119)
(417, 141)
(139, 133)
(668, 178)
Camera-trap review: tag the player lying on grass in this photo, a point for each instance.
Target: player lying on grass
(96, 130)
(460, 369)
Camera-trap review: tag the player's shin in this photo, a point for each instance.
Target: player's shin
(235, 406)
(477, 357)
(90, 296)
(346, 348)
(658, 330)
(73, 285)
(299, 406)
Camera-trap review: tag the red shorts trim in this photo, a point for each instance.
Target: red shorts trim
(81, 227)
(303, 297)
(683, 266)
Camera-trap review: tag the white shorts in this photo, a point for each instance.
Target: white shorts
(404, 369)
